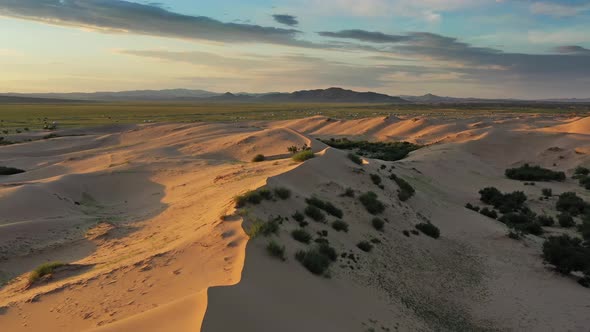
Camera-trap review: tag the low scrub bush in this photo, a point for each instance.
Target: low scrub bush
(276, 250)
(429, 229)
(584, 229)
(340, 226)
(326, 206)
(571, 203)
(525, 223)
(349, 192)
(365, 246)
(389, 151)
(303, 156)
(355, 159)
(259, 227)
(547, 192)
(567, 254)
(509, 202)
(371, 203)
(378, 224)
(315, 213)
(546, 220)
(490, 213)
(10, 170)
(43, 270)
(472, 207)
(566, 220)
(258, 158)
(298, 216)
(301, 235)
(581, 171)
(252, 197)
(282, 193)
(376, 179)
(265, 194)
(585, 181)
(406, 191)
(534, 173)
(317, 260)
(328, 251)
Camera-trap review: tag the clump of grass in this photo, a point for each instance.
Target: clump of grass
(355, 159)
(406, 191)
(349, 192)
(282, 193)
(472, 207)
(303, 156)
(318, 259)
(371, 203)
(265, 194)
(301, 235)
(326, 206)
(298, 216)
(252, 197)
(258, 158)
(389, 151)
(376, 179)
(43, 270)
(315, 213)
(581, 171)
(490, 213)
(259, 227)
(276, 250)
(429, 229)
(505, 202)
(378, 224)
(10, 170)
(365, 246)
(547, 192)
(340, 226)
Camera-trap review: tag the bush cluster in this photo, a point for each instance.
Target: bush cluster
(389, 151)
(315, 213)
(490, 213)
(429, 229)
(505, 203)
(571, 203)
(340, 226)
(376, 179)
(301, 235)
(282, 193)
(43, 270)
(534, 173)
(276, 250)
(406, 191)
(365, 246)
(267, 228)
(523, 222)
(378, 223)
(317, 260)
(371, 203)
(326, 206)
(567, 254)
(253, 197)
(303, 156)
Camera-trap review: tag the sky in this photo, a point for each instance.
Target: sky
(530, 49)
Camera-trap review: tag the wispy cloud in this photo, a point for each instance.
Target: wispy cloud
(285, 19)
(557, 9)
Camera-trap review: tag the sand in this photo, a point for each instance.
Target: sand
(144, 215)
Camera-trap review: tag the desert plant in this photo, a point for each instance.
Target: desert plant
(301, 235)
(258, 158)
(10, 170)
(303, 156)
(378, 223)
(490, 213)
(581, 171)
(276, 250)
(365, 246)
(43, 270)
(547, 192)
(252, 197)
(340, 226)
(546, 220)
(315, 213)
(376, 179)
(389, 151)
(349, 192)
(566, 253)
(355, 159)
(326, 250)
(534, 173)
(472, 207)
(571, 203)
(282, 193)
(371, 203)
(406, 191)
(406, 233)
(566, 220)
(265, 194)
(326, 206)
(429, 229)
(314, 260)
(293, 149)
(509, 202)
(298, 216)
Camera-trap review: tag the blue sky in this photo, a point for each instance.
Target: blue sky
(482, 48)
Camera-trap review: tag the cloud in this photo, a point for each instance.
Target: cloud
(558, 9)
(572, 49)
(364, 36)
(285, 19)
(129, 17)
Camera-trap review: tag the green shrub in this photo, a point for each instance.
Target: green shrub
(489, 213)
(547, 192)
(252, 197)
(355, 159)
(513, 234)
(566, 253)
(584, 229)
(43, 270)
(406, 191)
(472, 207)
(378, 223)
(389, 151)
(298, 216)
(315, 213)
(276, 250)
(10, 170)
(570, 202)
(328, 251)
(301, 235)
(303, 156)
(316, 260)
(504, 202)
(282, 193)
(340, 226)
(365, 246)
(429, 229)
(326, 206)
(349, 192)
(265, 194)
(581, 171)
(534, 173)
(585, 181)
(371, 203)
(258, 158)
(566, 220)
(376, 179)
(406, 233)
(265, 228)
(546, 220)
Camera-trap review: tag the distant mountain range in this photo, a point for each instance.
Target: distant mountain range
(330, 95)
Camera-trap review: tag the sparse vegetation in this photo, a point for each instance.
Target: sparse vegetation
(365, 246)
(523, 222)
(10, 170)
(355, 159)
(276, 250)
(490, 213)
(566, 220)
(349, 192)
(315, 213)
(581, 171)
(252, 197)
(371, 203)
(504, 202)
(298, 216)
(571, 203)
(376, 179)
(326, 206)
(43, 270)
(378, 224)
(340, 226)
(546, 220)
(259, 227)
(303, 156)
(472, 207)
(567, 254)
(389, 151)
(406, 191)
(317, 260)
(282, 193)
(429, 229)
(258, 158)
(534, 173)
(547, 192)
(301, 235)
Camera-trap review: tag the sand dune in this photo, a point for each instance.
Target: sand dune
(145, 216)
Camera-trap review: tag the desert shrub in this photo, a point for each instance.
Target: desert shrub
(581, 171)
(340, 226)
(293, 149)
(365, 246)
(516, 218)
(504, 202)
(490, 195)
(303, 156)
(328, 251)
(355, 159)
(472, 207)
(389, 151)
(406, 233)
(406, 191)
(349, 192)
(376, 179)
(371, 203)
(584, 229)
(566, 220)
(534, 173)
(326, 206)
(265, 194)
(571, 203)
(378, 223)
(301, 235)
(546, 220)
(252, 197)
(429, 229)
(315, 213)
(298, 216)
(43, 270)
(547, 192)
(585, 181)
(276, 250)
(513, 234)
(282, 193)
(258, 158)
(316, 260)
(490, 213)
(531, 228)
(566, 253)
(10, 170)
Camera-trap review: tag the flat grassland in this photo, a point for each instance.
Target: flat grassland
(85, 114)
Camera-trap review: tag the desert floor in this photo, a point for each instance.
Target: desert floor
(145, 218)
